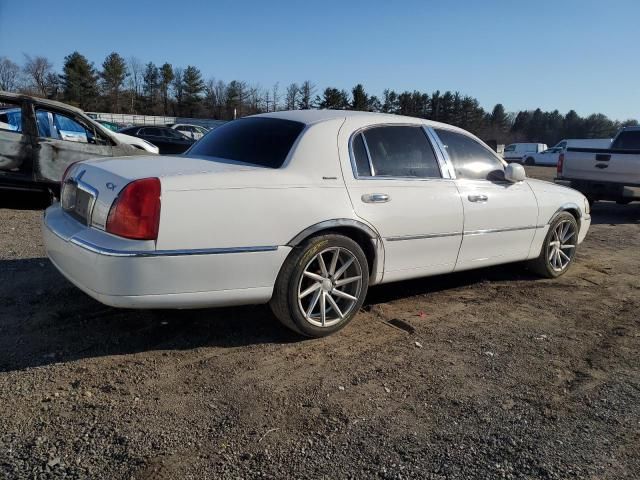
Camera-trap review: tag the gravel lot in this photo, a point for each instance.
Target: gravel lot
(486, 374)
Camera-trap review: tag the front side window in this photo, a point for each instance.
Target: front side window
(260, 141)
(58, 126)
(470, 158)
(510, 148)
(151, 132)
(396, 151)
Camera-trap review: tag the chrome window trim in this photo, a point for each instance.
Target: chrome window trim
(372, 169)
(446, 160)
(444, 173)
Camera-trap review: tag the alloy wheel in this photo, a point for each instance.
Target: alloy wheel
(330, 286)
(562, 245)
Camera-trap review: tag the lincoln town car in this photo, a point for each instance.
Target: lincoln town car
(304, 210)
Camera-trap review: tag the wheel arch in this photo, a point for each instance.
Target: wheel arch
(361, 233)
(571, 208)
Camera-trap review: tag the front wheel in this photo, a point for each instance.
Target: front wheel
(321, 286)
(530, 161)
(559, 247)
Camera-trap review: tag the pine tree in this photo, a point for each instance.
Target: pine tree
(151, 85)
(79, 81)
(193, 88)
(359, 98)
(332, 98)
(114, 71)
(166, 77)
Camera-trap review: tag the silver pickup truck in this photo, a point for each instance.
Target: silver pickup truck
(604, 174)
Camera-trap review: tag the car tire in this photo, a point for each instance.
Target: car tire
(317, 293)
(559, 247)
(530, 161)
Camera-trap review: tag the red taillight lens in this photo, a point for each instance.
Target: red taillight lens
(136, 212)
(560, 162)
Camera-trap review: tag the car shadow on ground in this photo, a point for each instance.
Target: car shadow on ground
(603, 213)
(44, 319)
(24, 200)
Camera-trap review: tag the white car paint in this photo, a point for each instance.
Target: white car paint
(136, 142)
(227, 227)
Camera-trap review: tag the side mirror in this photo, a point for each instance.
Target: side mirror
(514, 172)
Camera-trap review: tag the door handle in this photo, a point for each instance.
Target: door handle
(601, 165)
(478, 198)
(375, 198)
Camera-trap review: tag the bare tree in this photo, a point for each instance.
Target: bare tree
(136, 69)
(291, 97)
(9, 75)
(37, 69)
(275, 96)
(307, 90)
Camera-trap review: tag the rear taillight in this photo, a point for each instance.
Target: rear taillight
(560, 162)
(66, 173)
(136, 212)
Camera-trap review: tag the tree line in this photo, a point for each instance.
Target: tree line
(120, 85)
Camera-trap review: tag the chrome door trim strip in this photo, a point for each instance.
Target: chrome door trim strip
(465, 233)
(109, 252)
(499, 230)
(419, 237)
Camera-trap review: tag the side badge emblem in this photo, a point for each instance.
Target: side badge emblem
(111, 186)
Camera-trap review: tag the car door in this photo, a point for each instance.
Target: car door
(500, 217)
(64, 139)
(399, 185)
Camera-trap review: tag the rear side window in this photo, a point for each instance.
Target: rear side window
(152, 132)
(628, 140)
(400, 151)
(470, 158)
(257, 140)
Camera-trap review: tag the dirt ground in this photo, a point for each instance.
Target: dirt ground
(486, 374)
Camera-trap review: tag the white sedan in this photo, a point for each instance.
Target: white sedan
(305, 210)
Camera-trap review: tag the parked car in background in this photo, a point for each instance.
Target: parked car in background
(548, 157)
(195, 132)
(305, 210)
(516, 152)
(604, 174)
(166, 139)
(139, 143)
(114, 127)
(583, 143)
(551, 155)
(40, 138)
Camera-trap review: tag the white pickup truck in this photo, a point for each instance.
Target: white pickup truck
(604, 174)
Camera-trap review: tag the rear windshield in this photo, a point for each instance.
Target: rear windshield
(260, 141)
(628, 140)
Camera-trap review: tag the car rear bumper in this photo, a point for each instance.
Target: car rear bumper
(602, 190)
(132, 274)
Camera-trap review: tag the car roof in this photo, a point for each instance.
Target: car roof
(309, 117)
(41, 101)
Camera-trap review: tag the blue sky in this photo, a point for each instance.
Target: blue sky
(525, 54)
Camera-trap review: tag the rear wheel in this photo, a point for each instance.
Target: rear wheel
(321, 286)
(559, 247)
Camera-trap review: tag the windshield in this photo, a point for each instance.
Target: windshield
(257, 140)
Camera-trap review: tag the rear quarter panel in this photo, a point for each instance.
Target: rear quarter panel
(261, 207)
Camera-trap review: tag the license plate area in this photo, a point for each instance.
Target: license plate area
(78, 199)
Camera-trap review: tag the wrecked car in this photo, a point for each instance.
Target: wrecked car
(40, 138)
